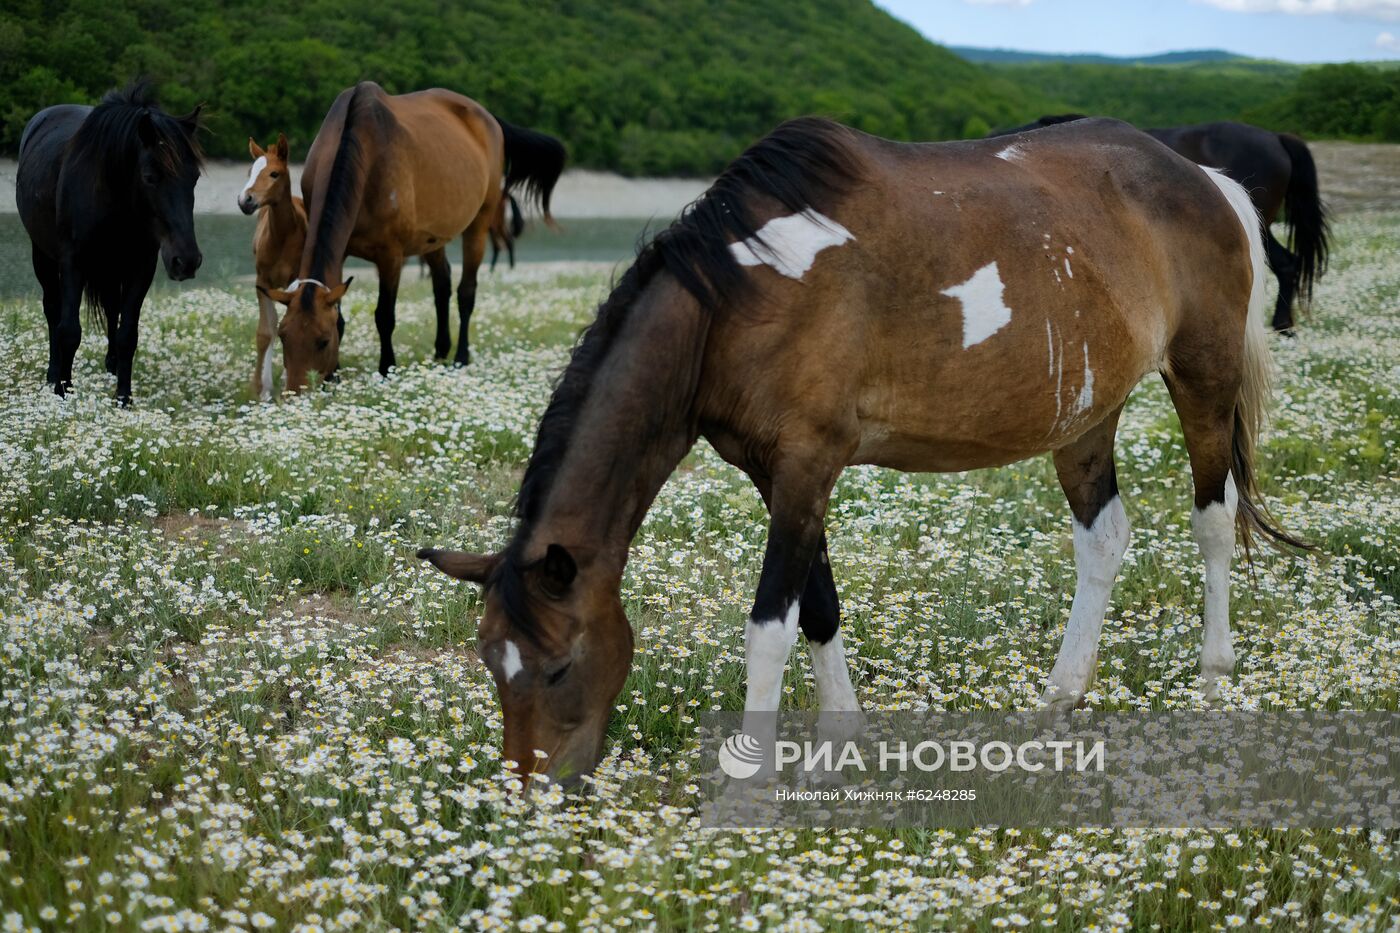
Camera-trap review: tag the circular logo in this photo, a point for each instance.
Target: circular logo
(740, 756)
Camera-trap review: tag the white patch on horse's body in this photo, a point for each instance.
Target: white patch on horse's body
(1214, 530)
(1069, 250)
(789, 245)
(983, 305)
(394, 199)
(1012, 152)
(1098, 553)
(1085, 401)
(1068, 271)
(510, 661)
(258, 165)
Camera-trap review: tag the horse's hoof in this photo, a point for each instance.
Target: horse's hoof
(462, 361)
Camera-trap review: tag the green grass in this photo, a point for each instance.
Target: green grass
(227, 688)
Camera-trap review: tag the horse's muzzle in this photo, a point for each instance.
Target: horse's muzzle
(184, 267)
(247, 205)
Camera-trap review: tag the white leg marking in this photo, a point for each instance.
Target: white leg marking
(789, 245)
(1098, 552)
(1214, 530)
(983, 305)
(833, 676)
(510, 661)
(767, 645)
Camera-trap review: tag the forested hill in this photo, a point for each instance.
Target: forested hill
(644, 87)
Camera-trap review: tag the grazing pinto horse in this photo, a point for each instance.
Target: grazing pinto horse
(101, 191)
(1278, 171)
(277, 243)
(839, 299)
(390, 177)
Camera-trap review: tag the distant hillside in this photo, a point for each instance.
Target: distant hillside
(1012, 56)
(1159, 95)
(646, 87)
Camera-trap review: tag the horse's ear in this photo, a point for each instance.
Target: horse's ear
(339, 291)
(190, 121)
(276, 294)
(254, 149)
(282, 146)
(474, 568)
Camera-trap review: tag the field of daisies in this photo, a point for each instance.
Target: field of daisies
(230, 697)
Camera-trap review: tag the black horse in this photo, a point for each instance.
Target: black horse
(1278, 171)
(101, 190)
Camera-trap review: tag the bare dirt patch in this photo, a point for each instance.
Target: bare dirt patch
(186, 525)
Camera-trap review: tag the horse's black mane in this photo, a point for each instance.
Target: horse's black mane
(110, 136)
(343, 186)
(804, 163)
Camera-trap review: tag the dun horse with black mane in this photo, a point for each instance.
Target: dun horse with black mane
(101, 191)
(391, 177)
(840, 299)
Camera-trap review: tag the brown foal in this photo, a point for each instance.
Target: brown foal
(277, 243)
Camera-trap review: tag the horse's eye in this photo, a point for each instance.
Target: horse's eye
(274, 174)
(558, 675)
(323, 343)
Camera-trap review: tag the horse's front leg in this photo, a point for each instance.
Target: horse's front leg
(267, 332)
(797, 505)
(69, 332)
(123, 344)
(389, 270)
(440, 268)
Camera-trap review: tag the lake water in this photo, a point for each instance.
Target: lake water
(226, 242)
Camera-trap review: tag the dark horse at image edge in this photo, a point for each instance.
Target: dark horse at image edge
(102, 191)
(1278, 172)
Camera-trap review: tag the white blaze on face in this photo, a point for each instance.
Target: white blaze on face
(510, 661)
(253, 173)
(984, 310)
(789, 245)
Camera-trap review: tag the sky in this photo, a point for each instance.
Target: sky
(1291, 30)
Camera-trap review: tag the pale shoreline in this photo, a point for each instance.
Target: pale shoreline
(580, 193)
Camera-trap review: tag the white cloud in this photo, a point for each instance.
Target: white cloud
(1368, 9)
(1387, 40)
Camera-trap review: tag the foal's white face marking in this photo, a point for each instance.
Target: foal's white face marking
(258, 165)
(510, 661)
(789, 245)
(984, 310)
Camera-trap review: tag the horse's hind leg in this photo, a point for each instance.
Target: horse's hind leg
(1205, 396)
(1090, 482)
(473, 251)
(123, 343)
(1284, 266)
(441, 271)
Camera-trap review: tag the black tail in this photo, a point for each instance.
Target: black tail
(517, 221)
(1308, 233)
(534, 163)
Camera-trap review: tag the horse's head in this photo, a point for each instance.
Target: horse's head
(310, 330)
(269, 180)
(168, 163)
(556, 640)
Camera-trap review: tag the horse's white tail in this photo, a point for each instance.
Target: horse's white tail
(1256, 387)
